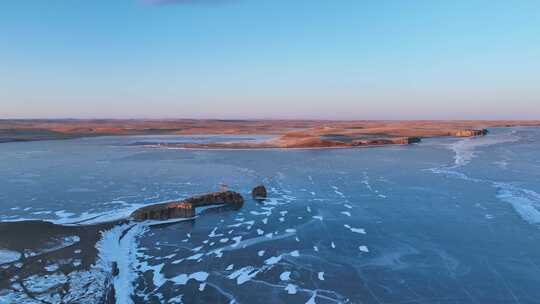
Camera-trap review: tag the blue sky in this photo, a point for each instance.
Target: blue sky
(333, 59)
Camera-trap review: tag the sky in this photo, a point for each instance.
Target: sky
(312, 59)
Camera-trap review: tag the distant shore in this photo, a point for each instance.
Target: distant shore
(287, 134)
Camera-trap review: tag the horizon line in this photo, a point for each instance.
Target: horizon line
(260, 119)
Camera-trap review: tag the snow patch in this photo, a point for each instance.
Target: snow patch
(122, 251)
(244, 274)
(285, 276)
(8, 256)
(291, 289)
(182, 279)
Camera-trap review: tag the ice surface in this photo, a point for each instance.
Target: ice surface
(272, 260)
(295, 246)
(8, 256)
(466, 149)
(285, 276)
(123, 250)
(526, 202)
(291, 289)
(244, 274)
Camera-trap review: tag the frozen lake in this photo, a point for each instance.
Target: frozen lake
(443, 221)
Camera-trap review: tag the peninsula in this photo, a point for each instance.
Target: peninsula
(283, 133)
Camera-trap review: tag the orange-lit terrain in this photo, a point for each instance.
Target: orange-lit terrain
(288, 133)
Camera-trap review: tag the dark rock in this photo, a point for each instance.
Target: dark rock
(413, 140)
(186, 208)
(469, 133)
(115, 269)
(259, 192)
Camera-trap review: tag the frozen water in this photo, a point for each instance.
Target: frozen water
(8, 256)
(443, 221)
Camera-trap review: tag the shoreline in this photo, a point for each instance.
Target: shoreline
(240, 146)
(273, 148)
(284, 134)
(94, 250)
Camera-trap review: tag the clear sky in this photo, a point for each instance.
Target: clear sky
(333, 59)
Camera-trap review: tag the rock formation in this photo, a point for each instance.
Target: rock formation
(115, 269)
(469, 133)
(390, 141)
(259, 192)
(186, 208)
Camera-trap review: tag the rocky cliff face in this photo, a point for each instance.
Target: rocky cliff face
(406, 140)
(186, 208)
(389, 141)
(469, 133)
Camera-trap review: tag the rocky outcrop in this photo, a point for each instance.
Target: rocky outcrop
(115, 269)
(164, 211)
(259, 192)
(469, 133)
(51, 244)
(389, 141)
(186, 208)
(411, 140)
